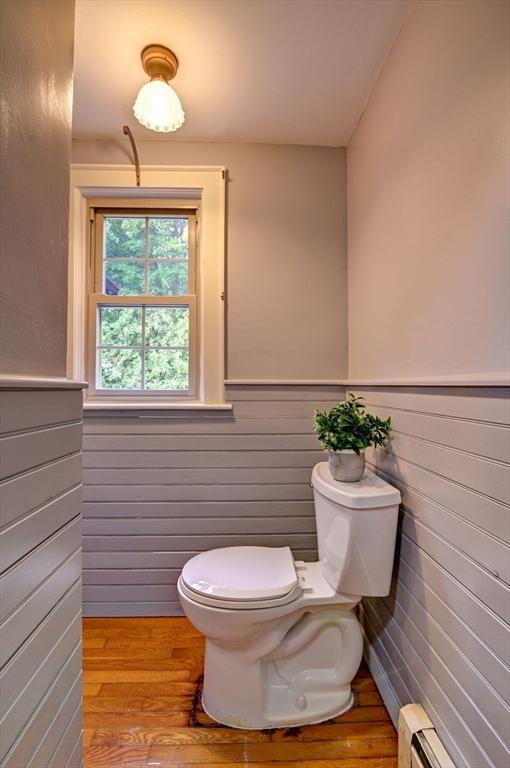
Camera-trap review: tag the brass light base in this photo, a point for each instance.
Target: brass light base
(159, 62)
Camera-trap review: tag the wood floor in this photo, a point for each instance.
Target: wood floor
(142, 704)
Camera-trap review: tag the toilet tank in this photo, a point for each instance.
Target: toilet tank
(356, 530)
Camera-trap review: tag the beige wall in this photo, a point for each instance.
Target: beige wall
(37, 60)
(428, 200)
(286, 277)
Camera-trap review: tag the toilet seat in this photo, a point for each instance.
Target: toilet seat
(242, 577)
(235, 605)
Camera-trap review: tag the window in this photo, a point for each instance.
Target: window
(146, 286)
(143, 302)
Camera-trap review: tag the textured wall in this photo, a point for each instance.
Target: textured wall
(286, 251)
(36, 44)
(158, 490)
(429, 201)
(40, 578)
(428, 296)
(40, 423)
(441, 637)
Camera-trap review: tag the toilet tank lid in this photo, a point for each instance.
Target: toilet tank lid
(242, 573)
(371, 491)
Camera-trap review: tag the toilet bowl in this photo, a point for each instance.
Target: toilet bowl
(282, 640)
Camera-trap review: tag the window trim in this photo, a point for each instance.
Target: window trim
(179, 187)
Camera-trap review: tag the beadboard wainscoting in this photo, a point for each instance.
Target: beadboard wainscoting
(441, 637)
(40, 552)
(161, 487)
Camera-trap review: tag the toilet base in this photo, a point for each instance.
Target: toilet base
(305, 678)
(292, 721)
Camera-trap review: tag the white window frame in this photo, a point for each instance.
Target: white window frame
(98, 211)
(171, 183)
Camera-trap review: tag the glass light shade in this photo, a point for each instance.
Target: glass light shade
(157, 106)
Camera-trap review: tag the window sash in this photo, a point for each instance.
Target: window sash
(97, 299)
(100, 261)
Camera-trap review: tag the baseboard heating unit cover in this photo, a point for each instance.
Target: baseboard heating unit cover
(418, 743)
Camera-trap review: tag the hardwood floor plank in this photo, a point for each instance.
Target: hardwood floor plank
(192, 652)
(363, 670)
(137, 704)
(178, 736)
(91, 689)
(358, 762)
(126, 720)
(199, 717)
(176, 640)
(371, 714)
(116, 757)
(193, 668)
(134, 675)
(148, 689)
(93, 642)
(274, 751)
(335, 732)
(368, 699)
(135, 635)
(181, 630)
(88, 735)
(157, 652)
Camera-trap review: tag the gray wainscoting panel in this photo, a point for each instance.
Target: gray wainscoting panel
(441, 638)
(40, 581)
(159, 488)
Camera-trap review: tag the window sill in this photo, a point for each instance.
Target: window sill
(195, 405)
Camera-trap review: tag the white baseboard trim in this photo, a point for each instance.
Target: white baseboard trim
(382, 682)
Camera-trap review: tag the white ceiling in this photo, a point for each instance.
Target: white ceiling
(270, 71)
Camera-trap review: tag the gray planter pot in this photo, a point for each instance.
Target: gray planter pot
(346, 466)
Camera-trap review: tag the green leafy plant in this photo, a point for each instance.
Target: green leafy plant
(347, 426)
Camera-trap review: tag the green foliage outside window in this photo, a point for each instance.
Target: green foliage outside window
(121, 368)
(161, 244)
(166, 238)
(124, 237)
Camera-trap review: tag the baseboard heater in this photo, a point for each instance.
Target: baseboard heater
(419, 745)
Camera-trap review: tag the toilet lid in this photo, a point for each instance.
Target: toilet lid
(242, 573)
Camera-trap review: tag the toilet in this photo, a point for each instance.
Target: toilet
(282, 640)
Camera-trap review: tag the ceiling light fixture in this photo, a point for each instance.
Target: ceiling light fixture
(157, 105)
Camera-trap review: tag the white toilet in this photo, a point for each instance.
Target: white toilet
(282, 640)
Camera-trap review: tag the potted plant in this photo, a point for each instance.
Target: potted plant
(344, 432)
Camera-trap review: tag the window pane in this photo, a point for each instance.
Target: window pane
(167, 326)
(120, 326)
(168, 279)
(120, 369)
(123, 278)
(168, 238)
(167, 369)
(124, 237)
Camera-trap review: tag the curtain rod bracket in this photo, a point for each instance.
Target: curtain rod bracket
(127, 132)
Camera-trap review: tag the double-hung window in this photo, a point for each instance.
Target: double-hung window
(146, 323)
(143, 302)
